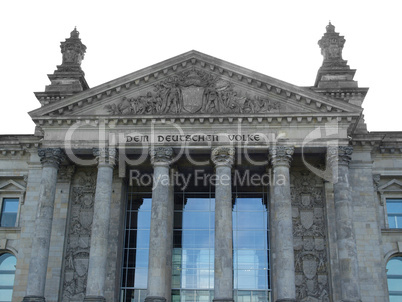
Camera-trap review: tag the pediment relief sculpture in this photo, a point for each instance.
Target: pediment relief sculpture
(193, 92)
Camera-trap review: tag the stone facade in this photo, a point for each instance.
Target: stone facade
(329, 235)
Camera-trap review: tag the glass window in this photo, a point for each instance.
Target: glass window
(7, 273)
(193, 247)
(394, 211)
(250, 248)
(9, 212)
(136, 247)
(394, 277)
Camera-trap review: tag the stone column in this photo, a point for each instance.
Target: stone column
(169, 238)
(339, 158)
(281, 225)
(158, 243)
(222, 157)
(106, 158)
(50, 159)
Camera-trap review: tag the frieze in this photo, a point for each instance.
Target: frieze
(309, 231)
(76, 258)
(193, 91)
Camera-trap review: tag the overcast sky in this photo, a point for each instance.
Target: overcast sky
(276, 38)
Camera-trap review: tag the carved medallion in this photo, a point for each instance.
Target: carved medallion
(310, 267)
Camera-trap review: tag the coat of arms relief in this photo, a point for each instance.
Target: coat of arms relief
(190, 92)
(309, 235)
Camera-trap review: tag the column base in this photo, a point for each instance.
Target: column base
(94, 299)
(33, 299)
(223, 300)
(155, 299)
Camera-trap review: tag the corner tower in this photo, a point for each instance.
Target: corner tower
(69, 78)
(335, 78)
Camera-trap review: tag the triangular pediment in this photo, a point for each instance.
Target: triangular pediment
(11, 186)
(195, 84)
(391, 186)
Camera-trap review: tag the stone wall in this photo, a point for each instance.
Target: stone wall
(367, 228)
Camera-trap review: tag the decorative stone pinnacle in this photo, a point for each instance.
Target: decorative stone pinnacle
(281, 155)
(223, 156)
(161, 155)
(105, 156)
(339, 154)
(51, 156)
(331, 45)
(330, 28)
(72, 49)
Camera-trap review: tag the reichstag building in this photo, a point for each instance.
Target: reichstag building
(195, 179)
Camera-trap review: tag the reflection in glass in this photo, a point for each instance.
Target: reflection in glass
(250, 248)
(8, 215)
(136, 248)
(394, 211)
(193, 254)
(7, 273)
(394, 276)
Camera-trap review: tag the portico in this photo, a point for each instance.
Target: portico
(196, 180)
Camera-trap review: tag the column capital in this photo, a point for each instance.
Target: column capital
(339, 154)
(223, 156)
(161, 155)
(105, 156)
(51, 157)
(281, 155)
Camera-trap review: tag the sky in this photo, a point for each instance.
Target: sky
(276, 38)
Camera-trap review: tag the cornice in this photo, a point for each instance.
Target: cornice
(285, 118)
(193, 58)
(17, 145)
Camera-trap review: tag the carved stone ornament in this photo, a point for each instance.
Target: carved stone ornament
(76, 258)
(310, 235)
(281, 155)
(51, 156)
(72, 49)
(331, 45)
(376, 181)
(223, 156)
(161, 155)
(339, 154)
(189, 92)
(65, 173)
(105, 156)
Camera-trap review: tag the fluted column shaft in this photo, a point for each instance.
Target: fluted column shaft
(281, 224)
(158, 243)
(50, 159)
(339, 158)
(106, 158)
(222, 157)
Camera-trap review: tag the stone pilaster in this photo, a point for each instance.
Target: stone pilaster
(160, 225)
(50, 159)
(222, 158)
(339, 157)
(106, 158)
(281, 225)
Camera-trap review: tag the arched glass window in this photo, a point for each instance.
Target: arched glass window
(7, 273)
(394, 276)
